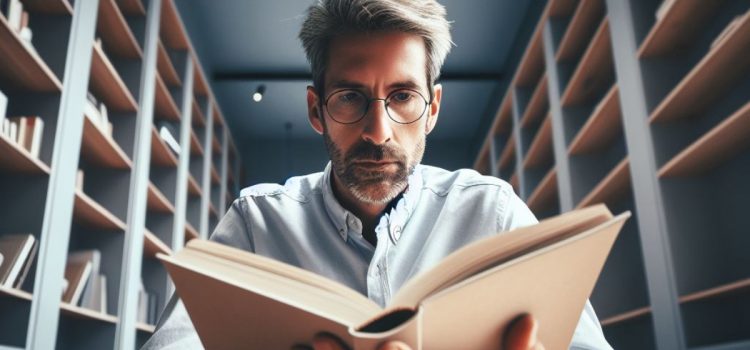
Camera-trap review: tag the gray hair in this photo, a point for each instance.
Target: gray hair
(329, 18)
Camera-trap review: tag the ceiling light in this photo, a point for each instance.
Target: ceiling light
(258, 95)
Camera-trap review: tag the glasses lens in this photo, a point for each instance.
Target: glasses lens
(406, 106)
(347, 106)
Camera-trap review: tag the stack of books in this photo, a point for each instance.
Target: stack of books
(26, 131)
(17, 252)
(86, 286)
(18, 19)
(147, 311)
(96, 112)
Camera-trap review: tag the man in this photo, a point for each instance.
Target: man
(375, 217)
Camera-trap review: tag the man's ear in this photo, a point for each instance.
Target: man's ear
(434, 108)
(314, 114)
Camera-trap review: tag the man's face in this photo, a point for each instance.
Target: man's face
(374, 156)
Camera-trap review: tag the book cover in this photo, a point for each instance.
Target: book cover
(15, 249)
(35, 135)
(547, 270)
(28, 261)
(89, 296)
(77, 272)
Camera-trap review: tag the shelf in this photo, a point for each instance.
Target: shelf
(145, 327)
(532, 62)
(88, 212)
(153, 245)
(215, 178)
(509, 153)
(166, 68)
(198, 118)
(723, 66)
(580, 29)
(200, 88)
(544, 193)
(193, 188)
(100, 149)
(171, 28)
(682, 22)
(594, 72)
(212, 210)
(612, 187)
(21, 68)
(165, 106)
(15, 293)
(560, 8)
(514, 182)
(538, 104)
(195, 146)
(51, 7)
(218, 117)
(215, 146)
(190, 232)
(601, 128)
(157, 202)
(734, 287)
(540, 151)
(87, 314)
(107, 85)
(626, 316)
(17, 159)
(115, 32)
(482, 163)
(719, 144)
(161, 154)
(132, 7)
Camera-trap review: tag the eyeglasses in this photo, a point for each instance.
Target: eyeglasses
(403, 106)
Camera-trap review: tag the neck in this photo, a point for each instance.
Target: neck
(368, 213)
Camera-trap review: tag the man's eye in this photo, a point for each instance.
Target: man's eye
(402, 96)
(349, 97)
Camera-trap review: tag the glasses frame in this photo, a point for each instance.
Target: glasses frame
(385, 103)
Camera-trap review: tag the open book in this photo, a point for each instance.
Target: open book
(237, 299)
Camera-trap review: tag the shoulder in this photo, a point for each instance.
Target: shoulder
(443, 182)
(297, 188)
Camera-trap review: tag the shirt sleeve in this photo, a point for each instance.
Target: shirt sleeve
(175, 330)
(588, 334)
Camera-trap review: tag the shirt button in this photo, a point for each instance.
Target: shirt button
(397, 232)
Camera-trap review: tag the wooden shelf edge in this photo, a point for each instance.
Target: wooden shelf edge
(724, 139)
(37, 76)
(19, 159)
(109, 85)
(718, 291)
(190, 232)
(166, 67)
(538, 98)
(103, 150)
(533, 51)
(164, 103)
(601, 41)
(81, 312)
(87, 209)
(590, 137)
(145, 327)
(160, 153)
(198, 118)
(193, 188)
(153, 245)
(686, 14)
(585, 11)
(610, 185)
(537, 149)
(15, 293)
(508, 152)
(110, 15)
(157, 202)
(195, 146)
(543, 190)
(643, 311)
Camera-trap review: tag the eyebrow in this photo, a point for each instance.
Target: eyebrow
(348, 84)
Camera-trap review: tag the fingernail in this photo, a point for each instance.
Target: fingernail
(534, 330)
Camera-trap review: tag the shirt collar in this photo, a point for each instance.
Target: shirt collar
(399, 214)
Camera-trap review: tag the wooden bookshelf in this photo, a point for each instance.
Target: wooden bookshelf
(559, 8)
(722, 142)
(107, 85)
(153, 245)
(538, 104)
(132, 7)
(601, 128)
(581, 28)
(18, 160)
(51, 7)
(172, 30)
(611, 188)
(540, 151)
(193, 188)
(594, 72)
(481, 164)
(165, 67)
(100, 149)
(200, 88)
(212, 210)
(514, 182)
(508, 154)
(741, 286)
(161, 155)
(86, 314)
(503, 121)
(157, 201)
(115, 32)
(544, 193)
(88, 212)
(215, 146)
(190, 232)
(218, 117)
(682, 22)
(164, 104)
(625, 316)
(15, 293)
(195, 146)
(215, 178)
(198, 119)
(717, 72)
(532, 62)
(22, 68)
(145, 327)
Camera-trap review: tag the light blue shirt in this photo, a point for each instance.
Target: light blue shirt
(301, 223)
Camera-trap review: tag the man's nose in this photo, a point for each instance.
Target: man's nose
(378, 128)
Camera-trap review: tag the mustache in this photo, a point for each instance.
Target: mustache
(365, 150)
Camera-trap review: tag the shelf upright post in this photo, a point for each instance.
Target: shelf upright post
(178, 234)
(224, 175)
(207, 163)
(58, 208)
(517, 112)
(662, 287)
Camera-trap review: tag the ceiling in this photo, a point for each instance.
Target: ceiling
(245, 43)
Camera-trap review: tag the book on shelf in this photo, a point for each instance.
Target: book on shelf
(14, 14)
(90, 297)
(27, 132)
(102, 297)
(96, 112)
(167, 131)
(3, 106)
(147, 311)
(18, 252)
(1, 259)
(77, 272)
(547, 270)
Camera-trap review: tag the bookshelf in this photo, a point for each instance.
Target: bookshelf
(648, 114)
(137, 191)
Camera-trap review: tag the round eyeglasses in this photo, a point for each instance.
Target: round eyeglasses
(403, 106)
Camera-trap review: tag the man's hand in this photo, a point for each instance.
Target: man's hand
(521, 335)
